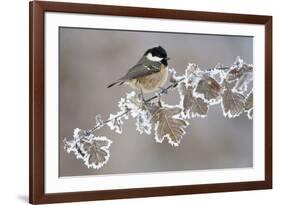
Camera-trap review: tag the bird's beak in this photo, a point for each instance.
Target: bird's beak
(168, 58)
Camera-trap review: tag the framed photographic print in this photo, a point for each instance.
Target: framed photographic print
(139, 102)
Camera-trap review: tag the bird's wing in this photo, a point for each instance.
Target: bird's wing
(142, 69)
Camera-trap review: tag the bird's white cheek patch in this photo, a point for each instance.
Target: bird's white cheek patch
(153, 58)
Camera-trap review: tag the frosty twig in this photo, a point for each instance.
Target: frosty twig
(198, 90)
(163, 91)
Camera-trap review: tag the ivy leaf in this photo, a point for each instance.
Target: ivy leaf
(232, 102)
(167, 125)
(209, 87)
(249, 105)
(194, 106)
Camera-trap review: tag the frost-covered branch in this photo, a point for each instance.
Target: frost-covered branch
(173, 84)
(198, 90)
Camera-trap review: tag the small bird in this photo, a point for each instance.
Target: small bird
(149, 74)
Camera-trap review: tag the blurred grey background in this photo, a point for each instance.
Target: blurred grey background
(90, 59)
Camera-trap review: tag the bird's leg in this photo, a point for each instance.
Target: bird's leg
(159, 100)
(141, 93)
(144, 103)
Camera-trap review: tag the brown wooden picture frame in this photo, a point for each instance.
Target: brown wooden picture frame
(37, 96)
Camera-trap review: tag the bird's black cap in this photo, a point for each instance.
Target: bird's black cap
(157, 51)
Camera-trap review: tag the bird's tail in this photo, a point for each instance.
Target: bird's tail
(119, 82)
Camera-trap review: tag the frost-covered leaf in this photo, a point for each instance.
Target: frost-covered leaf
(209, 87)
(237, 72)
(173, 77)
(232, 103)
(93, 150)
(96, 151)
(250, 114)
(249, 105)
(229, 85)
(220, 67)
(115, 123)
(169, 125)
(218, 72)
(194, 106)
(249, 102)
(143, 122)
(241, 73)
(138, 110)
(191, 69)
(99, 120)
(217, 76)
(192, 73)
(243, 82)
